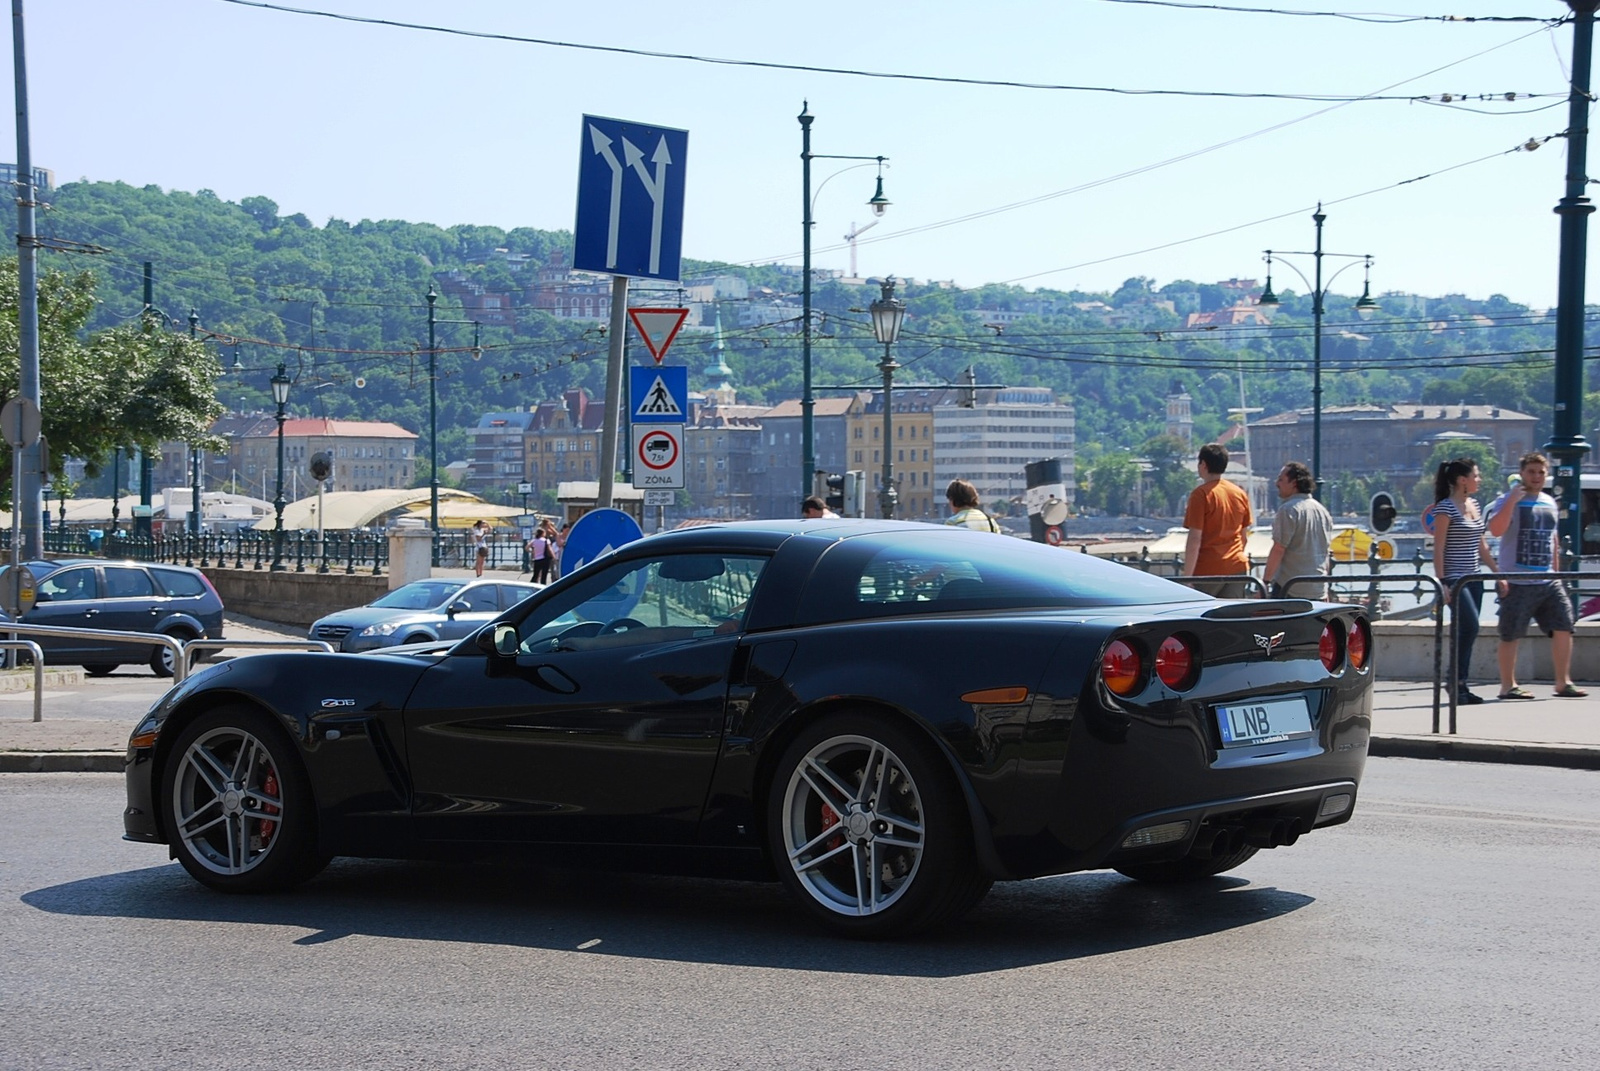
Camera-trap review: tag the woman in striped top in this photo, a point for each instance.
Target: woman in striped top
(1459, 545)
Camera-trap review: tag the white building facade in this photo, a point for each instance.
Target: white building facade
(990, 442)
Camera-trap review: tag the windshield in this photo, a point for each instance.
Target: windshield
(421, 595)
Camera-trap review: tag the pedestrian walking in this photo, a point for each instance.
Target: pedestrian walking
(1302, 531)
(1525, 520)
(540, 554)
(1218, 518)
(1460, 548)
(965, 511)
(813, 508)
(480, 546)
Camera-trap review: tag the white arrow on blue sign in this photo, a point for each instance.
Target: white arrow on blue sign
(630, 199)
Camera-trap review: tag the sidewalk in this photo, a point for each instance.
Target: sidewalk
(1545, 731)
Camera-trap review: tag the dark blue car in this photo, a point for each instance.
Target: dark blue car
(172, 600)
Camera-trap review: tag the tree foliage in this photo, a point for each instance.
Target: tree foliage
(131, 385)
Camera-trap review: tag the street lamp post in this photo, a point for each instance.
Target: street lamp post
(879, 204)
(1365, 307)
(888, 313)
(280, 395)
(433, 408)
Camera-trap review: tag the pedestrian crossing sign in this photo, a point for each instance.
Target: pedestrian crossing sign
(659, 395)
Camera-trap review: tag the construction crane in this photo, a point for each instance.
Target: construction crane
(856, 232)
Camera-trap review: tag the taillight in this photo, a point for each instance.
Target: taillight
(1331, 646)
(1175, 662)
(1121, 668)
(1360, 643)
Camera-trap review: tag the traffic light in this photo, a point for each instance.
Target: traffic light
(834, 496)
(1383, 511)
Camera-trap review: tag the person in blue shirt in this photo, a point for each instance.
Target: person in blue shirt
(1525, 519)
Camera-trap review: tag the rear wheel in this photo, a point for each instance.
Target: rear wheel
(1189, 869)
(100, 669)
(240, 813)
(162, 660)
(866, 826)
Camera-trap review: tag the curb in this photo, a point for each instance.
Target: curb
(61, 761)
(1457, 749)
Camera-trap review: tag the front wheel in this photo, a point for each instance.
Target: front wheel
(866, 827)
(240, 813)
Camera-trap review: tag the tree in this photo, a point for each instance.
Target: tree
(136, 385)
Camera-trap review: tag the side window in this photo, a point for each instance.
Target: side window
(510, 596)
(179, 585)
(122, 583)
(660, 600)
(69, 584)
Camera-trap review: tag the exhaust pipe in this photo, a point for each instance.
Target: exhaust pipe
(1274, 832)
(1207, 840)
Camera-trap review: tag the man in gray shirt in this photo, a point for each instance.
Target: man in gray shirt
(1301, 533)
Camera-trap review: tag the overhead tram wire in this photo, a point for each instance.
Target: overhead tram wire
(1372, 17)
(1157, 165)
(810, 69)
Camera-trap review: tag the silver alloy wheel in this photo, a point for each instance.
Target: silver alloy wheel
(853, 825)
(227, 801)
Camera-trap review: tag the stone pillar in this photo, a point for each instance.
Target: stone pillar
(410, 552)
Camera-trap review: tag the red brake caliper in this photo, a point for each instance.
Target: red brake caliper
(830, 818)
(269, 785)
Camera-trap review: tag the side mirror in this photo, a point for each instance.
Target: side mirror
(499, 641)
(459, 607)
(1383, 511)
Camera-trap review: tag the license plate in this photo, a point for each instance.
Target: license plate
(1264, 721)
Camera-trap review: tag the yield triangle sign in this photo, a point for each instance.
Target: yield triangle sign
(658, 327)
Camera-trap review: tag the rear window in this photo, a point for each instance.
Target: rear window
(944, 569)
(178, 584)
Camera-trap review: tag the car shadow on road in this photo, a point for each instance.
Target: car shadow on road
(1020, 924)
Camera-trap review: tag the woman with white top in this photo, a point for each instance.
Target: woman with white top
(1460, 548)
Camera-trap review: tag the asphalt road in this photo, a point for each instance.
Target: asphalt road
(1449, 925)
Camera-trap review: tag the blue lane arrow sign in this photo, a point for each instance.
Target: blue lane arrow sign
(630, 215)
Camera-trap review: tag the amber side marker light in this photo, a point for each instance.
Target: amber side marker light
(143, 740)
(1002, 696)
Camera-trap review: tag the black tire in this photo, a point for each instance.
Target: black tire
(1177, 870)
(239, 810)
(914, 850)
(101, 669)
(161, 656)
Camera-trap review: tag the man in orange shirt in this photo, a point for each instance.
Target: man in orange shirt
(1218, 518)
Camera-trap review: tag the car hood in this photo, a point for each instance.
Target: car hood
(362, 616)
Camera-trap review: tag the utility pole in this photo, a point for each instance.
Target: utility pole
(142, 524)
(1567, 445)
(30, 480)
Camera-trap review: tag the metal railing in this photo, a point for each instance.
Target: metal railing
(1375, 581)
(181, 662)
(38, 671)
(347, 552)
(1455, 652)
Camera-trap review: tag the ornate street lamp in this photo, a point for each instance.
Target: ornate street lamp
(433, 408)
(280, 395)
(879, 205)
(888, 313)
(1364, 306)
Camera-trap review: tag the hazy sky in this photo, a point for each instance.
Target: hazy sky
(336, 119)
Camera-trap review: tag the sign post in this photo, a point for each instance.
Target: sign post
(629, 223)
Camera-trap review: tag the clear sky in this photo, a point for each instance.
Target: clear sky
(336, 119)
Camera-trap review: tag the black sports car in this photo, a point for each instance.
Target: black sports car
(888, 717)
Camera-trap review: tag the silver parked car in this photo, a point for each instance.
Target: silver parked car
(422, 612)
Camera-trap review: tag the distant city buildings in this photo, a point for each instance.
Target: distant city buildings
(367, 455)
